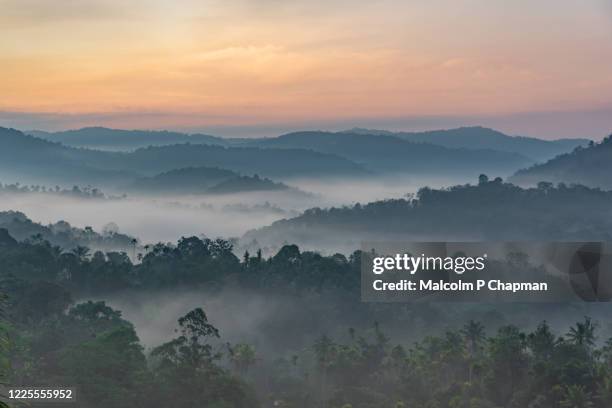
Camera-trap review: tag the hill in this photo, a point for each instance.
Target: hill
(492, 210)
(474, 138)
(388, 153)
(247, 183)
(63, 235)
(29, 159)
(462, 152)
(123, 140)
(477, 137)
(204, 180)
(249, 160)
(590, 166)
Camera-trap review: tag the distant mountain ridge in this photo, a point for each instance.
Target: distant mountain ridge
(478, 137)
(121, 140)
(389, 153)
(26, 158)
(590, 166)
(473, 138)
(463, 152)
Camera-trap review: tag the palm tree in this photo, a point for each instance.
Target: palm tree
(134, 242)
(576, 397)
(474, 334)
(583, 334)
(242, 357)
(324, 349)
(81, 252)
(4, 350)
(604, 391)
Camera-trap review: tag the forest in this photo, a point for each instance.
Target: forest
(53, 335)
(587, 165)
(194, 196)
(490, 209)
(266, 309)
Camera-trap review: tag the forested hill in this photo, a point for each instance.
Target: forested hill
(121, 140)
(472, 138)
(361, 354)
(391, 154)
(478, 137)
(591, 166)
(204, 180)
(491, 210)
(64, 235)
(25, 158)
(29, 159)
(247, 160)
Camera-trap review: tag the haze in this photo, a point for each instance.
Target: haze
(166, 218)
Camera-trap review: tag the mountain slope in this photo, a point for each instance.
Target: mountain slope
(478, 137)
(122, 140)
(492, 210)
(26, 158)
(387, 153)
(204, 180)
(29, 159)
(249, 160)
(591, 166)
(62, 234)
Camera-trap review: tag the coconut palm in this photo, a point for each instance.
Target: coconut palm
(474, 335)
(576, 396)
(583, 334)
(242, 357)
(4, 350)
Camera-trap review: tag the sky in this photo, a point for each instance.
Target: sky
(259, 67)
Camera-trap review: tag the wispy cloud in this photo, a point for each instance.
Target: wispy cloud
(271, 61)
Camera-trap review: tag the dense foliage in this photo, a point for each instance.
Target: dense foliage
(590, 166)
(63, 235)
(490, 210)
(204, 180)
(89, 345)
(87, 192)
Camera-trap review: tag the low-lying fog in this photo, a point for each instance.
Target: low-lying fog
(277, 324)
(167, 218)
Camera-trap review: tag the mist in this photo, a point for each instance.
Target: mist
(277, 324)
(166, 218)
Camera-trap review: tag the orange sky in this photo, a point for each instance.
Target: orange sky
(214, 63)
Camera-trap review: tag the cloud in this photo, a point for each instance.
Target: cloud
(33, 12)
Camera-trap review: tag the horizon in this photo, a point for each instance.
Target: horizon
(244, 68)
(249, 135)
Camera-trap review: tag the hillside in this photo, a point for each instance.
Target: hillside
(473, 138)
(590, 166)
(478, 137)
(32, 160)
(248, 160)
(468, 150)
(63, 235)
(387, 153)
(204, 180)
(123, 140)
(247, 183)
(28, 159)
(492, 210)
(462, 152)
